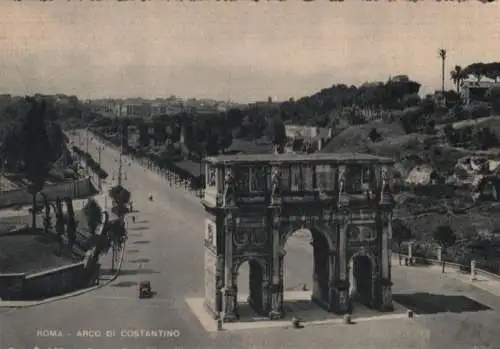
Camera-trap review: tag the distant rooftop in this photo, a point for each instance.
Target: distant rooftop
(290, 157)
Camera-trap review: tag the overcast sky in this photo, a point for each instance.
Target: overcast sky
(243, 51)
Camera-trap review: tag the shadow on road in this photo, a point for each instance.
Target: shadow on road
(125, 272)
(133, 251)
(142, 242)
(136, 234)
(142, 222)
(138, 228)
(140, 260)
(138, 272)
(428, 303)
(125, 284)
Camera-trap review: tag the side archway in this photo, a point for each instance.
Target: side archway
(362, 277)
(257, 283)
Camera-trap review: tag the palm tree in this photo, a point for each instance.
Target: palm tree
(442, 55)
(457, 75)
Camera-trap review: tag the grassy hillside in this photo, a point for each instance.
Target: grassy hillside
(355, 138)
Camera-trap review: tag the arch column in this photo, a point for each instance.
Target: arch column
(386, 206)
(230, 290)
(340, 288)
(332, 294)
(384, 288)
(275, 286)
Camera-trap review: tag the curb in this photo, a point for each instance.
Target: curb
(30, 304)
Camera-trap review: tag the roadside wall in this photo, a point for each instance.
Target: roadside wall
(74, 189)
(51, 282)
(12, 286)
(54, 282)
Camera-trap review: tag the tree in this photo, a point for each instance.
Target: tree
(143, 134)
(278, 133)
(47, 219)
(57, 140)
(494, 98)
(60, 225)
(492, 70)
(374, 135)
(478, 70)
(71, 227)
(124, 135)
(224, 134)
(449, 132)
(444, 237)
(411, 100)
(117, 235)
(457, 75)
(121, 197)
(36, 150)
(442, 55)
(103, 244)
(400, 234)
(93, 213)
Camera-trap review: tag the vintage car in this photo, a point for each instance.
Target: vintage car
(145, 289)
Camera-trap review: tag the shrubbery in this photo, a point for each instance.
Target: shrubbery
(90, 162)
(483, 138)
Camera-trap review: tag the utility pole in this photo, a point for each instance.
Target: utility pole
(99, 149)
(1, 176)
(120, 167)
(87, 140)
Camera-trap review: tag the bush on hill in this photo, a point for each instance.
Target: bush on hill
(356, 138)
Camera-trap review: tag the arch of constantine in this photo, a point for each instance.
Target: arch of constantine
(254, 203)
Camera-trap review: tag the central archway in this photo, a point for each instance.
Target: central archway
(304, 282)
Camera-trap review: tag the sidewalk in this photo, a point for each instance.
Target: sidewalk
(486, 284)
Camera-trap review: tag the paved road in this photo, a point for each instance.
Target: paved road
(165, 246)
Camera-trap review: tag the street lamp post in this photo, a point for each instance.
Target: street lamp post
(99, 149)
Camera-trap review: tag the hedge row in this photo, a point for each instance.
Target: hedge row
(167, 164)
(91, 163)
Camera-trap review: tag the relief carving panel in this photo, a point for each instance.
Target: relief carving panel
(361, 232)
(258, 180)
(241, 238)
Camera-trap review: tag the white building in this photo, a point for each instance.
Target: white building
(473, 90)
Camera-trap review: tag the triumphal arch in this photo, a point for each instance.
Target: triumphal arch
(254, 203)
